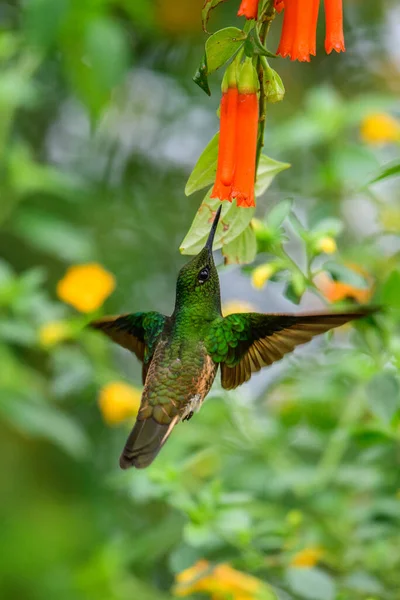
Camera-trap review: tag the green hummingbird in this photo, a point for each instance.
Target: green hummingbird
(181, 353)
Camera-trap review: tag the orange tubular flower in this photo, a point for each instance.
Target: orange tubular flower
(248, 9)
(298, 38)
(334, 39)
(226, 149)
(246, 137)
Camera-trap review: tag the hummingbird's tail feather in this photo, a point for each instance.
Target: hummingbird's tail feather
(145, 442)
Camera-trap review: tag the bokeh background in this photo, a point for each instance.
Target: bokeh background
(293, 480)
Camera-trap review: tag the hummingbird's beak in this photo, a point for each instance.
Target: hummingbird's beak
(210, 240)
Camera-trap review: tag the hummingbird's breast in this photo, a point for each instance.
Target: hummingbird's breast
(179, 378)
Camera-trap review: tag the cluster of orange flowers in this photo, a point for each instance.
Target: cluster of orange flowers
(238, 136)
(239, 116)
(298, 39)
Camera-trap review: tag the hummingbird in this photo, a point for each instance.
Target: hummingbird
(181, 354)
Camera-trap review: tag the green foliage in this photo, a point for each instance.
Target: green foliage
(221, 46)
(235, 232)
(205, 169)
(207, 8)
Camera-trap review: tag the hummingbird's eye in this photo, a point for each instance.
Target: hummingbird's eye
(204, 275)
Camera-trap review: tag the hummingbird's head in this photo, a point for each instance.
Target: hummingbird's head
(198, 281)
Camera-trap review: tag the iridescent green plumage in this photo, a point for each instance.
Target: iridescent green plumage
(181, 353)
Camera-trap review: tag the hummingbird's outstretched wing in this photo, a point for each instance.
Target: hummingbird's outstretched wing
(138, 332)
(243, 343)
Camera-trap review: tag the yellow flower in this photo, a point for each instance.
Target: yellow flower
(261, 274)
(326, 244)
(380, 128)
(307, 558)
(118, 401)
(236, 306)
(221, 581)
(85, 287)
(53, 333)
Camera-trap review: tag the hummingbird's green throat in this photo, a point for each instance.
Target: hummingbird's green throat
(181, 354)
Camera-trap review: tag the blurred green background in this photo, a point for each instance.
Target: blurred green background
(293, 478)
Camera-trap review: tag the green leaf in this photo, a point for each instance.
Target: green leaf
(17, 332)
(28, 176)
(54, 235)
(205, 169)
(266, 593)
(44, 421)
(268, 168)
(312, 584)
(383, 394)
(232, 222)
(295, 288)
(391, 170)
(329, 226)
(362, 581)
(9, 44)
(200, 77)
(371, 436)
(345, 275)
(107, 51)
(222, 45)
(6, 273)
(205, 13)
(96, 61)
(242, 250)
(42, 21)
(279, 213)
(391, 290)
(257, 45)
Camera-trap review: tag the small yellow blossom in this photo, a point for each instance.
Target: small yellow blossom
(237, 306)
(380, 128)
(53, 333)
(261, 274)
(307, 558)
(118, 401)
(85, 287)
(326, 244)
(221, 582)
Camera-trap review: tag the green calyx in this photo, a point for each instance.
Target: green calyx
(230, 78)
(248, 82)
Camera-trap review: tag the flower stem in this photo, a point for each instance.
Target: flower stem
(264, 29)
